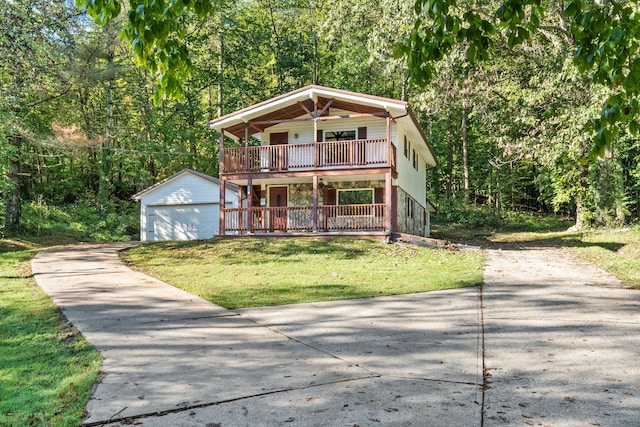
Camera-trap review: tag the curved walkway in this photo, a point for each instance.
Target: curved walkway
(534, 346)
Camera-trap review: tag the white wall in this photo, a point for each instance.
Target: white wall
(185, 189)
(409, 179)
(412, 181)
(376, 127)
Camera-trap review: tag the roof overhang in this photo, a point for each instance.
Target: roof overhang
(312, 103)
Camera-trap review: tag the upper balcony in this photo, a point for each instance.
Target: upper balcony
(333, 155)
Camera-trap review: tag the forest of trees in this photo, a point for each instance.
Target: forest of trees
(79, 123)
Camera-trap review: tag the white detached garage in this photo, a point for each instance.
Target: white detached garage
(185, 206)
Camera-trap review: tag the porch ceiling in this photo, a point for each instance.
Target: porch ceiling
(308, 179)
(297, 111)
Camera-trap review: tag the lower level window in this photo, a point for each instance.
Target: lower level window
(355, 197)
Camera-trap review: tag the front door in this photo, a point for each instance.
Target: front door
(279, 158)
(278, 202)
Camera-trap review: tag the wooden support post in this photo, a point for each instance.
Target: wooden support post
(388, 202)
(221, 154)
(250, 205)
(314, 209)
(240, 211)
(316, 155)
(246, 147)
(222, 183)
(388, 116)
(223, 187)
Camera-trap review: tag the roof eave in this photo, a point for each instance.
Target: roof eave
(311, 92)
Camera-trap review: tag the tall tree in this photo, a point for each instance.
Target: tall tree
(606, 34)
(36, 41)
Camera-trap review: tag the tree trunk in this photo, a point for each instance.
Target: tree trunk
(465, 152)
(105, 160)
(498, 194)
(13, 200)
(580, 194)
(449, 179)
(220, 70)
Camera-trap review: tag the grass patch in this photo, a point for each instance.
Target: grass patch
(238, 273)
(47, 369)
(617, 252)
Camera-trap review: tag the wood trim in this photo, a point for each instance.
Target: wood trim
(378, 195)
(330, 197)
(254, 124)
(285, 174)
(362, 132)
(325, 107)
(305, 108)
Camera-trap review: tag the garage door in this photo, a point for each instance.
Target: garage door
(185, 222)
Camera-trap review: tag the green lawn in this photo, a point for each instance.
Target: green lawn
(616, 252)
(255, 272)
(47, 369)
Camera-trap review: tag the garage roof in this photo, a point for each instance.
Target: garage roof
(210, 178)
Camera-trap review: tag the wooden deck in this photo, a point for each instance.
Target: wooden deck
(361, 153)
(334, 218)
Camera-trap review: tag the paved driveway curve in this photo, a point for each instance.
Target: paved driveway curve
(553, 350)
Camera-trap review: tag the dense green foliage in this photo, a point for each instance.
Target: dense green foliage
(47, 368)
(80, 129)
(604, 38)
(237, 273)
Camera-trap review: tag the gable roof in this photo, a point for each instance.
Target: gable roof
(173, 177)
(300, 102)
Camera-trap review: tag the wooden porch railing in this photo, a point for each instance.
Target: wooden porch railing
(300, 218)
(323, 155)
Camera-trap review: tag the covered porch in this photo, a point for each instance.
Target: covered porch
(312, 204)
(303, 219)
(362, 153)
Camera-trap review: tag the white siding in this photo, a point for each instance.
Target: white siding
(184, 189)
(376, 127)
(412, 181)
(185, 207)
(409, 179)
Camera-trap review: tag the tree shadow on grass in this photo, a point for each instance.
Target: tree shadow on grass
(260, 250)
(495, 239)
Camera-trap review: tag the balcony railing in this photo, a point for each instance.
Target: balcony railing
(323, 155)
(369, 217)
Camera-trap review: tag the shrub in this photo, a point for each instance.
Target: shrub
(119, 221)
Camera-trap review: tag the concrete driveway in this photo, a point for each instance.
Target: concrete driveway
(547, 340)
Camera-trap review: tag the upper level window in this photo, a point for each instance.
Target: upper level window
(340, 135)
(406, 147)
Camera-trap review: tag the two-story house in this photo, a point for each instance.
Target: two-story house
(322, 160)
